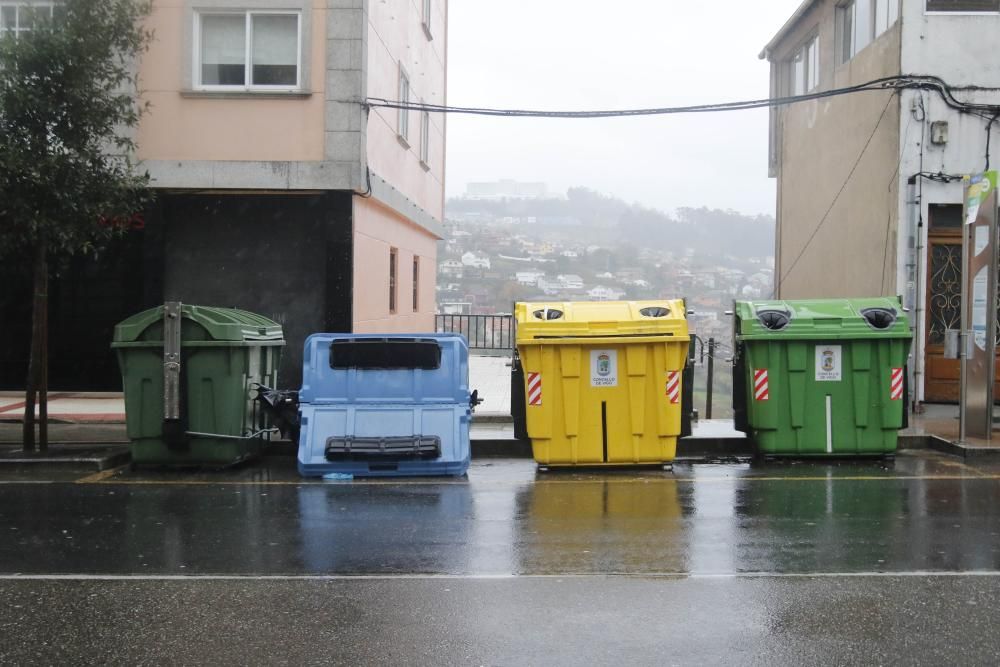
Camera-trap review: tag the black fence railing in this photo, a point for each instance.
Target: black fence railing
(485, 332)
(712, 393)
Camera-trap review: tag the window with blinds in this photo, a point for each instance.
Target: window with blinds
(963, 5)
(250, 50)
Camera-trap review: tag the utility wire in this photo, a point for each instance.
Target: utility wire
(843, 187)
(902, 82)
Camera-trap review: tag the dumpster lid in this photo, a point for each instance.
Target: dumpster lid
(601, 319)
(822, 319)
(214, 324)
(385, 369)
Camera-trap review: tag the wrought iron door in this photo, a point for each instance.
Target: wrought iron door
(944, 309)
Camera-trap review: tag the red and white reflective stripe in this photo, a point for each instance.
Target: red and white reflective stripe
(760, 387)
(674, 387)
(896, 385)
(534, 388)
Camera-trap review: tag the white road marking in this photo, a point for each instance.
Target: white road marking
(492, 577)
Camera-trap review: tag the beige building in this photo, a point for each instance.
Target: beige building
(869, 192)
(278, 189)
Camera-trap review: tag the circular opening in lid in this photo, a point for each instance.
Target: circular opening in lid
(774, 320)
(655, 311)
(879, 318)
(548, 314)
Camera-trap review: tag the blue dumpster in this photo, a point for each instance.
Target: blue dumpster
(385, 405)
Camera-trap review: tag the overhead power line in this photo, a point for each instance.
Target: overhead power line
(889, 83)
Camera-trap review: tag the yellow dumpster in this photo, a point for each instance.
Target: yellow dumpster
(603, 381)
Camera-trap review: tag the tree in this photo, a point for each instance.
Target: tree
(68, 105)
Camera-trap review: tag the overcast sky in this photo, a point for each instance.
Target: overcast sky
(595, 54)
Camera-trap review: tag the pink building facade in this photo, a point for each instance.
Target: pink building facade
(280, 190)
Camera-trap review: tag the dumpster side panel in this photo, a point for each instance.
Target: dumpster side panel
(577, 420)
(807, 417)
(142, 381)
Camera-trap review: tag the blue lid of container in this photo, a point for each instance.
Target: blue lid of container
(385, 369)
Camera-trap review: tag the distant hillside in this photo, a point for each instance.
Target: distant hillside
(708, 230)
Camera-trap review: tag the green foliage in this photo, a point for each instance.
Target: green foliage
(68, 107)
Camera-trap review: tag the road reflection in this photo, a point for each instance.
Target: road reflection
(919, 515)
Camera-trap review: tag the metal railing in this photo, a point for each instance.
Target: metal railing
(704, 354)
(484, 332)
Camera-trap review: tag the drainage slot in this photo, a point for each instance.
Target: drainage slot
(604, 428)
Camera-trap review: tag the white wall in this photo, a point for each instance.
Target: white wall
(961, 49)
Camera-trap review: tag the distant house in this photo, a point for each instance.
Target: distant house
(602, 293)
(571, 254)
(458, 308)
(542, 249)
(549, 287)
(528, 278)
(570, 281)
(505, 189)
(476, 260)
(511, 258)
(451, 267)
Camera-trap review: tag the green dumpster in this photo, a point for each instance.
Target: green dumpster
(821, 378)
(189, 375)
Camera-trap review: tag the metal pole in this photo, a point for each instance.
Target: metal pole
(963, 336)
(711, 376)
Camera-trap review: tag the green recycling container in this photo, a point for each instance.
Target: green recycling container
(209, 418)
(821, 377)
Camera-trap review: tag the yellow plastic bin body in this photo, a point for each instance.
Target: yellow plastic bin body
(603, 380)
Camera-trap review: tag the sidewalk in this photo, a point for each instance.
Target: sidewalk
(490, 375)
(69, 408)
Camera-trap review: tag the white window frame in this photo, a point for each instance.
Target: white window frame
(403, 118)
(24, 4)
(425, 19)
(847, 51)
(247, 86)
(425, 138)
(810, 70)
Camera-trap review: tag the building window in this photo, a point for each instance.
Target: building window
(404, 99)
(416, 284)
(945, 216)
(425, 137)
(861, 22)
(426, 18)
(963, 5)
(249, 50)
(393, 260)
(805, 67)
(19, 17)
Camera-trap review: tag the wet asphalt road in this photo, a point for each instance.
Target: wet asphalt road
(863, 562)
